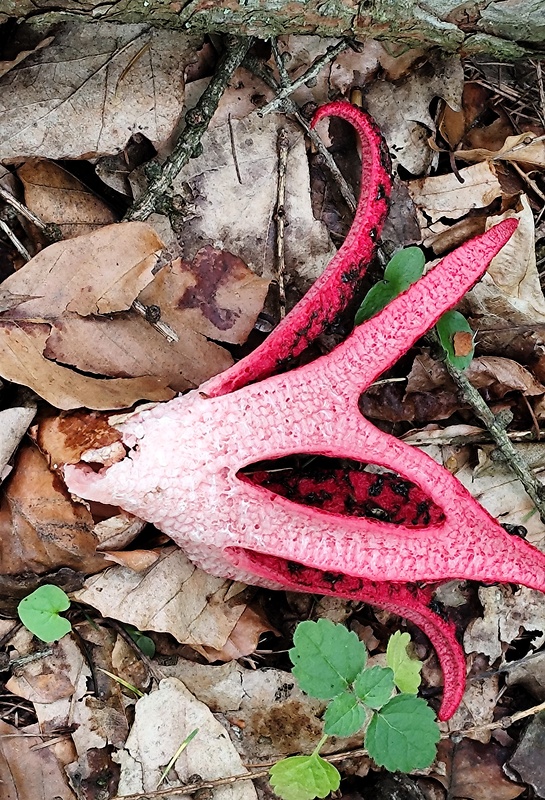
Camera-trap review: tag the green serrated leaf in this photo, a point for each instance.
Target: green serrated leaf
(450, 323)
(402, 270)
(374, 686)
(402, 736)
(406, 669)
(405, 267)
(326, 658)
(39, 612)
(344, 716)
(304, 778)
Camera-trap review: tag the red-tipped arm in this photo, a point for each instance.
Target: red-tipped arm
(332, 291)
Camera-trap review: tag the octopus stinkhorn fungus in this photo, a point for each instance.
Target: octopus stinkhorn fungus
(183, 468)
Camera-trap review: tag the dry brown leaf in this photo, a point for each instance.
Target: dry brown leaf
(171, 596)
(65, 437)
(216, 295)
(244, 637)
(109, 80)
(58, 197)
(445, 196)
(31, 773)
(135, 560)
(41, 529)
(502, 375)
(97, 273)
(128, 345)
(497, 375)
(163, 719)
(21, 361)
(14, 423)
(522, 149)
(506, 614)
(462, 343)
(474, 771)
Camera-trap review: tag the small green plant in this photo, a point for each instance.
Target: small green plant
(39, 612)
(400, 731)
(145, 643)
(404, 269)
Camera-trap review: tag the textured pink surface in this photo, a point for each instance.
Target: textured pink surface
(181, 473)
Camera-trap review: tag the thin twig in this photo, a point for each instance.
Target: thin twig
(23, 210)
(152, 314)
(291, 108)
(197, 120)
(15, 241)
(311, 73)
(280, 217)
(515, 461)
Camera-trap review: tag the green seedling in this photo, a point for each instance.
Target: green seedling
(174, 758)
(39, 612)
(404, 269)
(399, 729)
(146, 645)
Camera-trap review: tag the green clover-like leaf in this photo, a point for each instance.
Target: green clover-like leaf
(374, 686)
(402, 736)
(344, 716)
(326, 658)
(406, 669)
(39, 612)
(304, 778)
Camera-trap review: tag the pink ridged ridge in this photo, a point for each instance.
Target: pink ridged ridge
(182, 471)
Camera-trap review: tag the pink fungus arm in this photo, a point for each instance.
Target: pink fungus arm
(331, 292)
(232, 527)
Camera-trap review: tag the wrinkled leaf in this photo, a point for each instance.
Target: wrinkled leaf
(326, 658)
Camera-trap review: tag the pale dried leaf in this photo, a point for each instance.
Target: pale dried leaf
(56, 196)
(14, 423)
(445, 196)
(30, 773)
(510, 290)
(477, 708)
(172, 596)
(163, 719)
(245, 225)
(521, 149)
(92, 88)
(135, 560)
(402, 110)
(505, 373)
(505, 616)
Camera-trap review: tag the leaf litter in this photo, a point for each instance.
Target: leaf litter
(71, 334)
